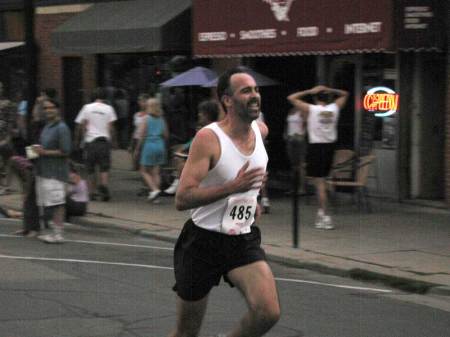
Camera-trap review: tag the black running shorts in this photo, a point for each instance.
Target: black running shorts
(319, 159)
(202, 257)
(98, 152)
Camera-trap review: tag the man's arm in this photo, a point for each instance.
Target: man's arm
(190, 195)
(80, 130)
(81, 125)
(342, 96)
(296, 99)
(263, 129)
(64, 144)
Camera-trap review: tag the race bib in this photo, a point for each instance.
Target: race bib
(239, 215)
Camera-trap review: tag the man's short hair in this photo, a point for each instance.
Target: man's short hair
(322, 96)
(53, 101)
(224, 85)
(50, 92)
(210, 108)
(99, 93)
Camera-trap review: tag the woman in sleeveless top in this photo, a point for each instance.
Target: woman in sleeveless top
(153, 135)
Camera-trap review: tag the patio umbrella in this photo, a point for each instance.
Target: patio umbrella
(197, 76)
(261, 80)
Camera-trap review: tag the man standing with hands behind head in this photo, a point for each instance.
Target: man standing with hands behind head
(220, 183)
(322, 118)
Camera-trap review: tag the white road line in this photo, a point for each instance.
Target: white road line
(31, 258)
(10, 236)
(118, 244)
(333, 285)
(105, 243)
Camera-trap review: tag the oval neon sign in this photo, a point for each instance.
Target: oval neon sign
(381, 99)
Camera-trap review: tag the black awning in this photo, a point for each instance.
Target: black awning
(127, 27)
(11, 45)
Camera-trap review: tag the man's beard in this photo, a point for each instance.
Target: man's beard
(248, 114)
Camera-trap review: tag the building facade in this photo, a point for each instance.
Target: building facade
(83, 44)
(357, 46)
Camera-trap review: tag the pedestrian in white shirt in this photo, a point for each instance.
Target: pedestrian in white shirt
(95, 122)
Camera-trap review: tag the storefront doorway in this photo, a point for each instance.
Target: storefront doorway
(427, 126)
(359, 129)
(342, 75)
(73, 89)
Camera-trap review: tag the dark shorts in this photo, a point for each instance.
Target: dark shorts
(202, 257)
(296, 149)
(319, 159)
(98, 153)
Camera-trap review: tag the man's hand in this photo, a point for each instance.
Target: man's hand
(317, 89)
(248, 179)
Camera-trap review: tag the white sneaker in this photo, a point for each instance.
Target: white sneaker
(153, 195)
(172, 189)
(324, 222)
(51, 238)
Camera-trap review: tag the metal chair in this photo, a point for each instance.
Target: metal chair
(341, 179)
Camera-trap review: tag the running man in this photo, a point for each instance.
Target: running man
(220, 184)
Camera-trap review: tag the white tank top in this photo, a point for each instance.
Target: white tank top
(294, 124)
(211, 216)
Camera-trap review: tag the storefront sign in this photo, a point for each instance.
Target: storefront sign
(383, 100)
(421, 24)
(288, 27)
(298, 27)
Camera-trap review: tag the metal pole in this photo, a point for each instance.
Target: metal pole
(295, 210)
(31, 61)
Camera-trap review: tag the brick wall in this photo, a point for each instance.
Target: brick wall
(89, 76)
(49, 64)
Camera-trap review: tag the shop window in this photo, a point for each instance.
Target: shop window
(143, 73)
(380, 70)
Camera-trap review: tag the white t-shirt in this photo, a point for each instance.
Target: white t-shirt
(322, 123)
(294, 124)
(98, 115)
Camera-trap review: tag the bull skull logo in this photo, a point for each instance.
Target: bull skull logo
(280, 8)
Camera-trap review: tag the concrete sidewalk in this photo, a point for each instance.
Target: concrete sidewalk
(402, 245)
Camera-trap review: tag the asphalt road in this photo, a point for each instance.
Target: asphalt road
(108, 284)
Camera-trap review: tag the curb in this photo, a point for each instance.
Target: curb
(440, 290)
(404, 284)
(401, 283)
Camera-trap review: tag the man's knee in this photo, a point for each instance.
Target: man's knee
(266, 312)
